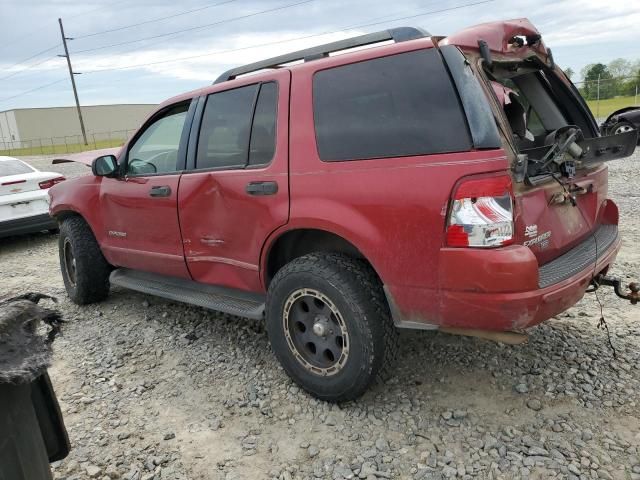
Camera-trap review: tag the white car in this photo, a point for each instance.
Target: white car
(24, 197)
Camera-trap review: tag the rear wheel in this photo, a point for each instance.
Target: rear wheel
(622, 127)
(329, 325)
(84, 269)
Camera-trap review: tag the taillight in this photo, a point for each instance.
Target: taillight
(50, 183)
(481, 213)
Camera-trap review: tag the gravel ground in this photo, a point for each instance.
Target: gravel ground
(154, 390)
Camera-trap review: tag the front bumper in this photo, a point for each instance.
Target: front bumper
(503, 289)
(20, 226)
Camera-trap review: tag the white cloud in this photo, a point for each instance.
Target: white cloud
(579, 32)
(204, 68)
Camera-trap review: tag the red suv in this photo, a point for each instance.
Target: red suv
(424, 182)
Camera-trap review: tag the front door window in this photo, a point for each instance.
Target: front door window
(156, 150)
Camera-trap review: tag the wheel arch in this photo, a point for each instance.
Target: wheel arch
(63, 214)
(299, 241)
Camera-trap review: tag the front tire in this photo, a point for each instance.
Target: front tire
(85, 271)
(329, 325)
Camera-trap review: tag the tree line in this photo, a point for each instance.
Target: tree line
(620, 77)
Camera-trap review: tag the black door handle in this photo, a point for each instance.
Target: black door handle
(160, 191)
(262, 188)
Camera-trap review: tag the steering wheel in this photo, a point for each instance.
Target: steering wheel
(561, 141)
(140, 167)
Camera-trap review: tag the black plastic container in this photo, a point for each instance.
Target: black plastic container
(32, 433)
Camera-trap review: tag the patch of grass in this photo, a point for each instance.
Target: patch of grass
(610, 105)
(37, 149)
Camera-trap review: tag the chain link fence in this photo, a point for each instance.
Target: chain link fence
(605, 95)
(65, 144)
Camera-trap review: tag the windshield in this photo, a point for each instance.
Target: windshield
(13, 167)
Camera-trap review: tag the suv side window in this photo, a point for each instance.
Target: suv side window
(263, 131)
(156, 150)
(238, 127)
(400, 105)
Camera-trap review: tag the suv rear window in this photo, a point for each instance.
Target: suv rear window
(392, 106)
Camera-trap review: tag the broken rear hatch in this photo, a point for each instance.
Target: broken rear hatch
(552, 139)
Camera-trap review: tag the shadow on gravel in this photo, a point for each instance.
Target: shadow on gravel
(27, 241)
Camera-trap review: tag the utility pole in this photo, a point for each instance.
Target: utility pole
(597, 101)
(73, 81)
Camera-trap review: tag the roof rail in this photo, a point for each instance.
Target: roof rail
(400, 34)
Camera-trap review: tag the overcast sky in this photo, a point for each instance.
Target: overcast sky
(578, 31)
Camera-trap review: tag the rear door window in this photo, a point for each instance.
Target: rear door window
(263, 132)
(238, 127)
(393, 106)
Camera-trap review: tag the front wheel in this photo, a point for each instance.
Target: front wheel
(85, 271)
(329, 325)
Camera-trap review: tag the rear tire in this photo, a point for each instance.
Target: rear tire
(84, 269)
(329, 325)
(621, 127)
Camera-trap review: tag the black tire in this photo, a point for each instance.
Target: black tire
(621, 127)
(84, 269)
(353, 289)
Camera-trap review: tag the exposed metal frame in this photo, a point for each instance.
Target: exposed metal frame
(400, 34)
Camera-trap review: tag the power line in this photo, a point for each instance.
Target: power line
(200, 27)
(240, 48)
(108, 4)
(153, 20)
(32, 56)
(277, 42)
(16, 40)
(2, 100)
(28, 67)
(367, 24)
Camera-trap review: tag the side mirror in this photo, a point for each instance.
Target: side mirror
(105, 166)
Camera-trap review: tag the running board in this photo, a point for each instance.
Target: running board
(221, 299)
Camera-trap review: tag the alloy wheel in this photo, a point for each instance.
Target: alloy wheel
(315, 332)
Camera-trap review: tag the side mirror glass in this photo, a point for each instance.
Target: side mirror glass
(105, 166)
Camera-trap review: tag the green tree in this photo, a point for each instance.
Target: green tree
(593, 75)
(620, 67)
(631, 83)
(569, 72)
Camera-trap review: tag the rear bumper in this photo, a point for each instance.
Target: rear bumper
(20, 226)
(503, 289)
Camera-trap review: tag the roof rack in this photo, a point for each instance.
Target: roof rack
(400, 34)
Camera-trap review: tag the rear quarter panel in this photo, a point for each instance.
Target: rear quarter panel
(393, 210)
